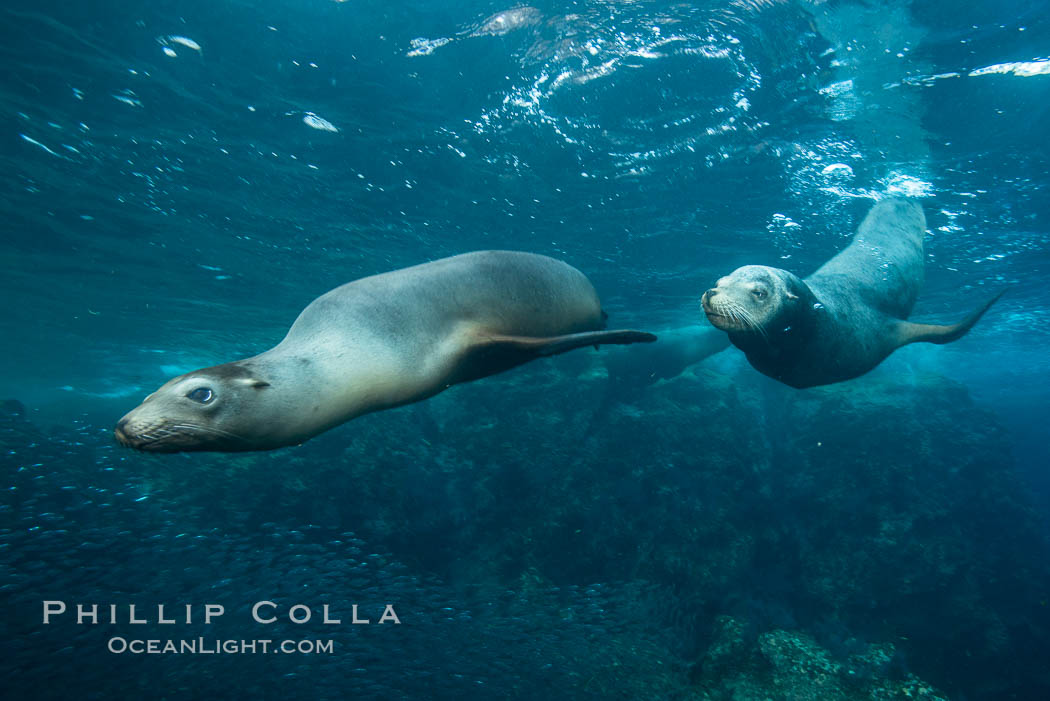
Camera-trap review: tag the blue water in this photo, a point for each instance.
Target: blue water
(180, 179)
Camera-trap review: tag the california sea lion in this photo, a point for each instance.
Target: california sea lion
(632, 369)
(376, 343)
(842, 320)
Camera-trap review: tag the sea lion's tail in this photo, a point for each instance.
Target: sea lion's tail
(934, 333)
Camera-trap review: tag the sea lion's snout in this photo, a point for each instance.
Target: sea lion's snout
(152, 434)
(154, 438)
(119, 433)
(130, 434)
(711, 305)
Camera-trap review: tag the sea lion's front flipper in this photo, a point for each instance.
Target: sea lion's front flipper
(934, 333)
(491, 354)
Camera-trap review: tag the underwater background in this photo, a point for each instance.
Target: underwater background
(179, 179)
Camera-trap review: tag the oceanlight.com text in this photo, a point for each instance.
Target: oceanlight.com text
(206, 646)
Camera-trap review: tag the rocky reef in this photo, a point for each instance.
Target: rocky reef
(780, 664)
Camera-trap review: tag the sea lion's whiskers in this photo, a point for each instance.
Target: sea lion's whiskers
(728, 309)
(208, 430)
(749, 319)
(739, 313)
(163, 440)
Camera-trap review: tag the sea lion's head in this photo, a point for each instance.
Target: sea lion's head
(755, 299)
(216, 408)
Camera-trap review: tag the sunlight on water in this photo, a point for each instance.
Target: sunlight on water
(312, 120)
(1023, 69)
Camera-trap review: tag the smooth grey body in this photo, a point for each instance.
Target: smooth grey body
(377, 343)
(857, 300)
(844, 319)
(678, 348)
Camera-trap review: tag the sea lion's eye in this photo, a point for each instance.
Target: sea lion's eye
(201, 394)
(758, 292)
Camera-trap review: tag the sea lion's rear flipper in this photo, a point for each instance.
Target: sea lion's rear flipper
(496, 353)
(559, 344)
(934, 333)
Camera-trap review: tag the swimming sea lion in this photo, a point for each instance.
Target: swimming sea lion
(842, 320)
(376, 343)
(632, 369)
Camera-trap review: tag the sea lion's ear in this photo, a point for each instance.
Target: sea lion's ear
(791, 296)
(253, 382)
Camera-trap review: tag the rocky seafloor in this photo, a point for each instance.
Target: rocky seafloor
(548, 534)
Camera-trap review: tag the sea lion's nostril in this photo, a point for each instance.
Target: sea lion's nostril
(119, 433)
